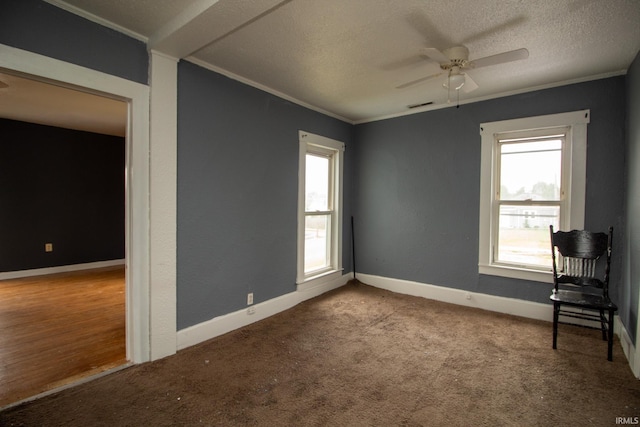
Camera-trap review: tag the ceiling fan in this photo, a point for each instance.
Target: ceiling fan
(454, 62)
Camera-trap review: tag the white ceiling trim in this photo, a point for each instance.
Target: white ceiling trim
(98, 20)
(492, 96)
(251, 83)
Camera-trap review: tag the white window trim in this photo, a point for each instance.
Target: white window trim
(575, 155)
(307, 142)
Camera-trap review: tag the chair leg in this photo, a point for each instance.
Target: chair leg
(603, 325)
(556, 314)
(610, 343)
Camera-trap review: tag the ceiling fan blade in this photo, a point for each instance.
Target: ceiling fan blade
(420, 80)
(469, 84)
(435, 54)
(500, 58)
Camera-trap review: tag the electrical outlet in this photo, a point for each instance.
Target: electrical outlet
(48, 247)
(250, 298)
(251, 310)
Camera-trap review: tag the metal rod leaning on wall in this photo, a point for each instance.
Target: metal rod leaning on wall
(353, 248)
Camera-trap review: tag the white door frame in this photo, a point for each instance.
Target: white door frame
(138, 293)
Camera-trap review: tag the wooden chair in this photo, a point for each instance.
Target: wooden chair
(576, 283)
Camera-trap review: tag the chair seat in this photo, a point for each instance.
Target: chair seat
(582, 299)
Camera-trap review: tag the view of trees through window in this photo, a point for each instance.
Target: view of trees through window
(544, 190)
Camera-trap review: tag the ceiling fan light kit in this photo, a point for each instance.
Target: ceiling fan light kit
(455, 80)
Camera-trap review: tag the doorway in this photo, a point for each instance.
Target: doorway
(62, 302)
(138, 296)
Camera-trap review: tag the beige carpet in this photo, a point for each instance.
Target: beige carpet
(360, 356)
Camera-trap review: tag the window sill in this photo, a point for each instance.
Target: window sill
(319, 279)
(516, 273)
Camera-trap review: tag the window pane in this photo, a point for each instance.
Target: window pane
(317, 242)
(316, 183)
(523, 234)
(530, 170)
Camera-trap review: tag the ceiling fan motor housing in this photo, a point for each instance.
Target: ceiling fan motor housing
(458, 57)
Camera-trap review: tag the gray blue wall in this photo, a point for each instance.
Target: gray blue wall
(237, 192)
(631, 283)
(417, 178)
(39, 27)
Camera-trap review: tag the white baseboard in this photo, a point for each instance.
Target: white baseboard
(539, 311)
(516, 307)
(60, 269)
(532, 310)
(627, 346)
(221, 325)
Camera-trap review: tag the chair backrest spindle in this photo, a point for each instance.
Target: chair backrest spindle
(580, 251)
(579, 267)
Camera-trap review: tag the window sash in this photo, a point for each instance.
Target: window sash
(523, 241)
(499, 143)
(529, 252)
(330, 156)
(318, 246)
(312, 251)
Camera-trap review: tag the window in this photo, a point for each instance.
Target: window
(529, 184)
(533, 174)
(319, 207)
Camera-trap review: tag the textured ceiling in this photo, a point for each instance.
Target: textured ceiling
(347, 57)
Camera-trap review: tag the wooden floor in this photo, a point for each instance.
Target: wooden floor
(57, 329)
